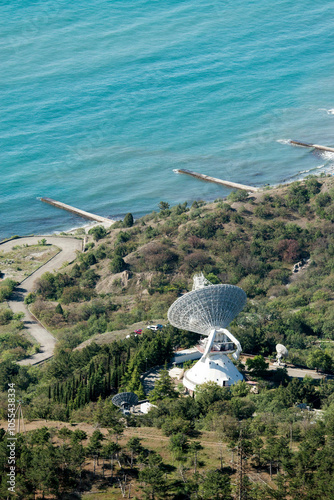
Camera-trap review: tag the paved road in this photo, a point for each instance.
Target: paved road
(292, 370)
(69, 248)
(300, 372)
(149, 379)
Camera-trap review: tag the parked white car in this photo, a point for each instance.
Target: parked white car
(155, 328)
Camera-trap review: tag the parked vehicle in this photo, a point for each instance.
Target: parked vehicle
(155, 328)
(138, 332)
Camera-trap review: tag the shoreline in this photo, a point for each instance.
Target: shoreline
(66, 232)
(86, 226)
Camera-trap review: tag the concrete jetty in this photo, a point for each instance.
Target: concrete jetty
(77, 211)
(208, 178)
(314, 146)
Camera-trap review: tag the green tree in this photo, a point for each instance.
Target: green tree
(78, 436)
(59, 309)
(135, 385)
(6, 315)
(276, 450)
(98, 232)
(240, 389)
(117, 265)
(40, 436)
(135, 447)
(6, 288)
(320, 360)
(215, 486)
(64, 433)
(163, 206)
(153, 476)
(163, 388)
(128, 220)
(111, 450)
(194, 448)
(179, 446)
(43, 470)
(209, 393)
(257, 366)
(95, 445)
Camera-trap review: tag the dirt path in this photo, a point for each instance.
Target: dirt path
(69, 248)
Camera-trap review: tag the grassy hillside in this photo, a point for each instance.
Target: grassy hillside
(132, 275)
(127, 278)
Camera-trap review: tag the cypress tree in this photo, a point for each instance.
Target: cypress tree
(59, 309)
(128, 220)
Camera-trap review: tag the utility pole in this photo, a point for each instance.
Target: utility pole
(19, 416)
(240, 469)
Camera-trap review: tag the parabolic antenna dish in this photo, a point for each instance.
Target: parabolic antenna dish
(125, 399)
(210, 307)
(282, 350)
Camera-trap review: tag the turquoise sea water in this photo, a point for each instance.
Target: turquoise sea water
(101, 100)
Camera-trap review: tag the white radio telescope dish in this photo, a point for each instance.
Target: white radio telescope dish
(208, 309)
(201, 310)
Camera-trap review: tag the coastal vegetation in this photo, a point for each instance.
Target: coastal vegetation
(278, 245)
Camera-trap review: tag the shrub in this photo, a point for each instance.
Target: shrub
(98, 232)
(196, 242)
(206, 228)
(323, 199)
(122, 237)
(117, 265)
(257, 366)
(59, 309)
(159, 257)
(164, 208)
(196, 260)
(313, 186)
(6, 315)
(289, 250)
(238, 196)
(6, 288)
(128, 220)
(30, 298)
(263, 211)
(74, 294)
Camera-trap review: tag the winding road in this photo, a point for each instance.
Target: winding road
(68, 251)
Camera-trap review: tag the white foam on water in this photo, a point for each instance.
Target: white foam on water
(328, 111)
(327, 155)
(311, 169)
(288, 141)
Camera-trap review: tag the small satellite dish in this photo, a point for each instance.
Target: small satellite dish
(124, 401)
(282, 352)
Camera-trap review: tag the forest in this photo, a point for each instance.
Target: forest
(224, 443)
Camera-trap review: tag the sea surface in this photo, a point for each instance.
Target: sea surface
(101, 100)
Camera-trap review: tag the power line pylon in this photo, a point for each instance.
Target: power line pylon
(241, 490)
(19, 418)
